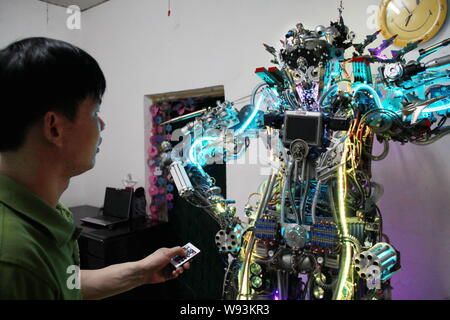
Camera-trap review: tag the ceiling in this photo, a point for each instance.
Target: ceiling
(83, 4)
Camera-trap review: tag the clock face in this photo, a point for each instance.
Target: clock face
(411, 20)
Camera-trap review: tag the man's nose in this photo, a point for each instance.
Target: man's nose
(102, 124)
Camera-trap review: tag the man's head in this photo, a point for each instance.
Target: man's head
(52, 89)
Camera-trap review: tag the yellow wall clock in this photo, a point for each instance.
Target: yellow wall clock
(411, 20)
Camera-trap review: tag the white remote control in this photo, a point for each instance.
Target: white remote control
(191, 251)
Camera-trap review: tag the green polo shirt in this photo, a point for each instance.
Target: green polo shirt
(39, 256)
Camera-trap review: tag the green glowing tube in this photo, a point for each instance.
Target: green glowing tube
(346, 258)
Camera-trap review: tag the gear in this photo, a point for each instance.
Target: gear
(299, 149)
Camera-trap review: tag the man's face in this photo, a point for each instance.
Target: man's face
(82, 138)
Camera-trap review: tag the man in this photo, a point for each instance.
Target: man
(50, 95)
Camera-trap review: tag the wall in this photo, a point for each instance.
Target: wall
(204, 43)
(28, 18)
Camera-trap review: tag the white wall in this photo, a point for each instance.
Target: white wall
(28, 18)
(210, 42)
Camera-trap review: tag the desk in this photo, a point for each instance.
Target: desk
(132, 241)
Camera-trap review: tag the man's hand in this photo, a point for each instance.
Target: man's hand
(156, 267)
(118, 278)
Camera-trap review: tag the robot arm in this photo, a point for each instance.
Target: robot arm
(218, 135)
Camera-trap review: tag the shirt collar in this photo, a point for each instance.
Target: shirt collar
(22, 200)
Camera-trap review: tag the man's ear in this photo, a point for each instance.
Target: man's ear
(53, 127)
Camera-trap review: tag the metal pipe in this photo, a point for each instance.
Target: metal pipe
(427, 51)
(346, 255)
(301, 211)
(379, 262)
(280, 285)
(268, 195)
(283, 197)
(291, 197)
(243, 291)
(314, 203)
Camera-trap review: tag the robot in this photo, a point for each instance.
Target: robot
(316, 231)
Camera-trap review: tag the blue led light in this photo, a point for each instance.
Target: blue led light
(437, 106)
(361, 86)
(194, 158)
(253, 114)
(195, 144)
(391, 259)
(385, 253)
(388, 275)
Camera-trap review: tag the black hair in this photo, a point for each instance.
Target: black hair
(38, 75)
